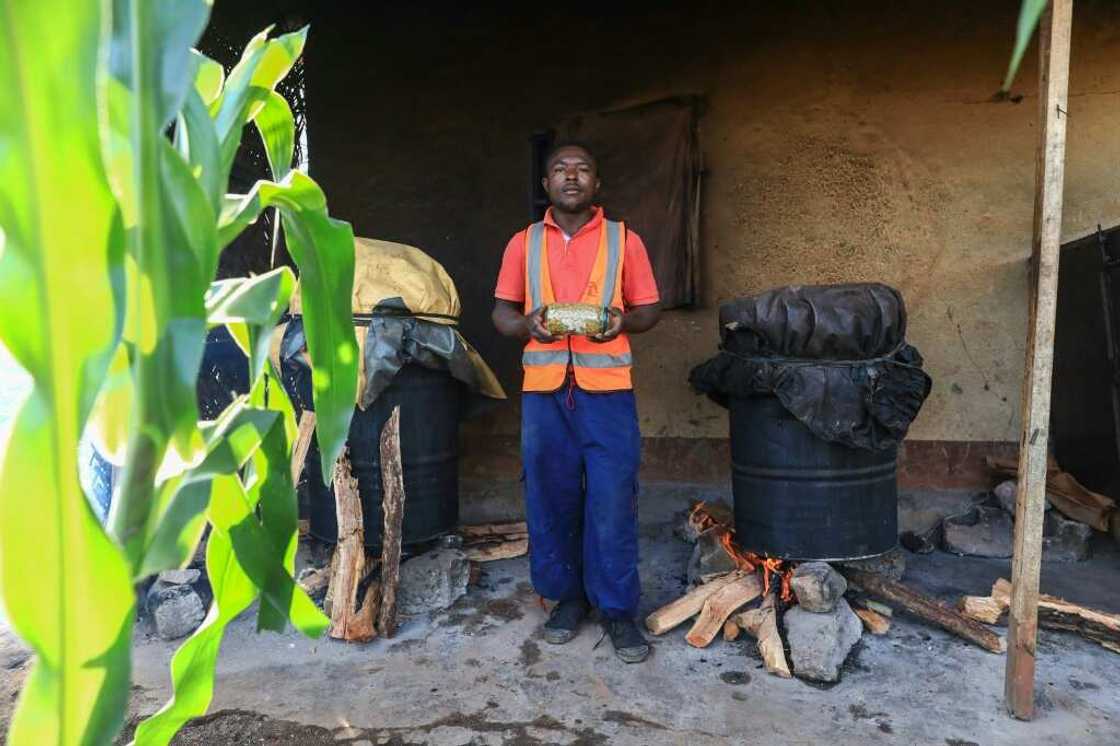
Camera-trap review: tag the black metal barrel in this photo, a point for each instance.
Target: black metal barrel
(802, 498)
(429, 402)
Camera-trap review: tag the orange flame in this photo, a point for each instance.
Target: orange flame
(703, 521)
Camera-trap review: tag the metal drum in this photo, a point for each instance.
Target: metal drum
(802, 498)
(429, 402)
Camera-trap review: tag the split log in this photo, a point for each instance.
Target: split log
(927, 609)
(348, 564)
(981, 608)
(360, 625)
(392, 491)
(874, 622)
(687, 606)
(731, 631)
(878, 608)
(498, 530)
(720, 606)
(1065, 493)
(762, 624)
(1056, 613)
(491, 552)
(303, 442)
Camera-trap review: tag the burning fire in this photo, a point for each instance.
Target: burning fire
(703, 521)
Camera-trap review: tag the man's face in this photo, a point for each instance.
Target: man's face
(572, 180)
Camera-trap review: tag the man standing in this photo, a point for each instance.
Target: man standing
(580, 444)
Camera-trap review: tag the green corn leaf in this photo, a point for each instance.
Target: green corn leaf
(263, 64)
(172, 241)
(192, 667)
(1029, 14)
(274, 495)
(250, 308)
(209, 77)
(232, 513)
(323, 248)
(198, 143)
(277, 129)
(65, 585)
(177, 518)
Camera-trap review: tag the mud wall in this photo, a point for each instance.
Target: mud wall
(842, 141)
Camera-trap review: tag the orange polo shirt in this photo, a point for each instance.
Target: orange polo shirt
(570, 261)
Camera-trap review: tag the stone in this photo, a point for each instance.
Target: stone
(1064, 540)
(922, 510)
(180, 577)
(819, 643)
(817, 586)
(708, 558)
(432, 581)
(1005, 495)
(922, 542)
(981, 532)
(176, 609)
(891, 564)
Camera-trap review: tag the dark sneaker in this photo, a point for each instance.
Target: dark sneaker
(563, 622)
(629, 644)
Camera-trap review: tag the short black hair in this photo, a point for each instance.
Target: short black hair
(563, 144)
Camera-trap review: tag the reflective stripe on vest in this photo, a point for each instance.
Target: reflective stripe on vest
(582, 359)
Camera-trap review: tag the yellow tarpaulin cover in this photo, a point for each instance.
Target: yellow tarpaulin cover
(384, 270)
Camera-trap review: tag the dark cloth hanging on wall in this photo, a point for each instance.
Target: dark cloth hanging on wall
(650, 164)
(836, 357)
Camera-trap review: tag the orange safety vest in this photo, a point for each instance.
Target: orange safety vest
(597, 366)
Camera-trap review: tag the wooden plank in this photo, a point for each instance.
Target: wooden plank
(687, 606)
(491, 552)
(927, 609)
(720, 606)
(515, 528)
(1030, 500)
(762, 624)
(303, 442)
(350, 551)
(392, 491)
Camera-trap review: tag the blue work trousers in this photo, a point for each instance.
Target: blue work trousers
(581, 453)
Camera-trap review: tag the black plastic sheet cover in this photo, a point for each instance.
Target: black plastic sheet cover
(835, 356)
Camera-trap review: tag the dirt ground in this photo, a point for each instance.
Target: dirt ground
(479, 673)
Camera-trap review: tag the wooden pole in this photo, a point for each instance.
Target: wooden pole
(392, 489)
(1054, 49)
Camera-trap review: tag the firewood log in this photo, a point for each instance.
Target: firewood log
(687, 606)
(303, 442)
(873, 621)
(1101, 627)
(721, 605)
(348, 565)
(762, 624)
(981, 608)
(392, 490)
(730, 631)
(927, 609)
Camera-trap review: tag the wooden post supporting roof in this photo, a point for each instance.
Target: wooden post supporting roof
(1022, 630)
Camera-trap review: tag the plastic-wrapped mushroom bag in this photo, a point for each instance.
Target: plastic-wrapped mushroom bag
(406, 308)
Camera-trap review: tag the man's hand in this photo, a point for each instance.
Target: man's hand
(534, 325)
(614, 327)
(512, 322)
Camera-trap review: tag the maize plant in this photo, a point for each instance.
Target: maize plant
(116, 144)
